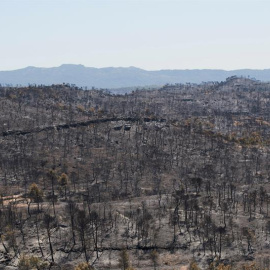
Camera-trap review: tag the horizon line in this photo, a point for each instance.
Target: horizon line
(134, 67)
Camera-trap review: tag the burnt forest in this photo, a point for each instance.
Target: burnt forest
(176, 177)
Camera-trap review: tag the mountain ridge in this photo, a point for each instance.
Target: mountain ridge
(117, 77)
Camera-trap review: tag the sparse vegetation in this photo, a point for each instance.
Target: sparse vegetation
(161, 179)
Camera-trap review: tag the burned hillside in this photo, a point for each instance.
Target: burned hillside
(169, 176)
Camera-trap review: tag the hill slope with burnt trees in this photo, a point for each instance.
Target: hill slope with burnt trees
(172, 178)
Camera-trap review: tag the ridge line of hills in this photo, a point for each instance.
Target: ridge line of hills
(120, 77)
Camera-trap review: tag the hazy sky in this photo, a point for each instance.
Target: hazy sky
(150, 34)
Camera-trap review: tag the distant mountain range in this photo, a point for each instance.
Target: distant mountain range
(120, 77)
